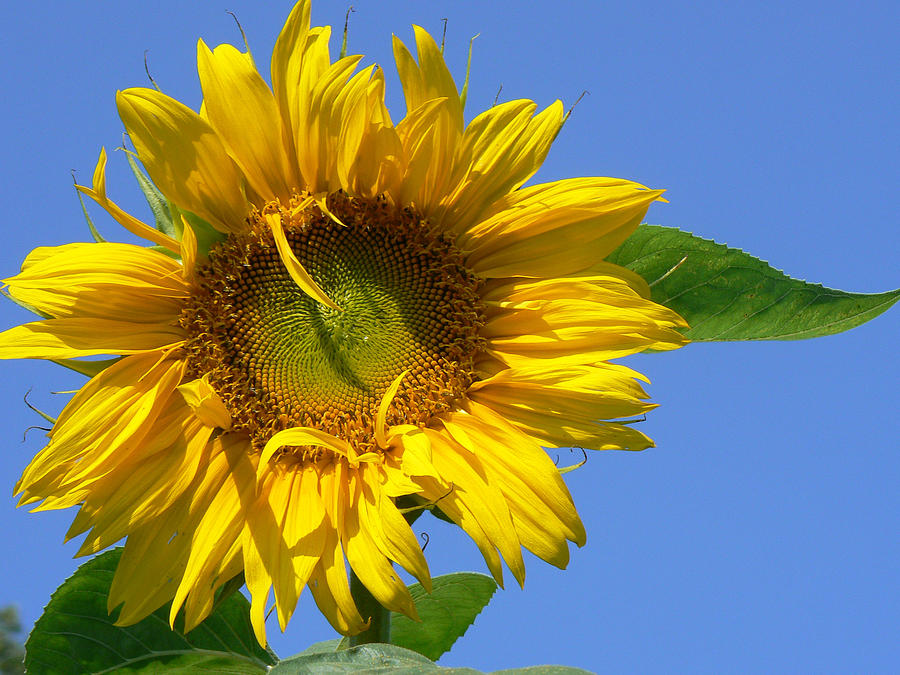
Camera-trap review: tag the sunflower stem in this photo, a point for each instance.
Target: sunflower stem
(379, 629)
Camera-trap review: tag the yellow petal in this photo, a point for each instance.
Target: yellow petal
(110, 281)
(184, 157)
(466, 474)
(287, 67)
(304, 525)
(520, 467)
(313, 437)
(429, 139)
(206, 403)
(188, 251)
(500, 149)
(103, 424)
(300, 276)
(386, 400)
(566, 330)
(141, 489)
(388, 528)
(324, 118)
(266, 557)
(97, 192)
(377, 166)
(372, 566)
(69, 338)
(429, 79)
(331, 590)
(222, 520)
(243, 111)
(557, 228)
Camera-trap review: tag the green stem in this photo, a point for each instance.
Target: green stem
(379, 629)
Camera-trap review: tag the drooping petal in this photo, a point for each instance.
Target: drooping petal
(519, 466)
(389, 531)
(97, 192)
(206, 403)
(331, 589)
(369, 563)
(465, 473)
(220, 525)
(294, 267)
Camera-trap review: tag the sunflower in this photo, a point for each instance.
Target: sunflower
(350, 316)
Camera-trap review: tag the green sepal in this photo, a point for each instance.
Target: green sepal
(440, 515)
(90, 223)
(75, 634)
(25, 305)
(88, 368)
(49, 418)
(207, 236)
(464, 92)
(726, 294)
(155, 199)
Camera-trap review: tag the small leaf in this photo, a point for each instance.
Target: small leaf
(726, 294)
(76, 635)
(158, 204)
(446, 613)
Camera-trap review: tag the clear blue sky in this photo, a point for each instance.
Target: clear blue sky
(762, 533)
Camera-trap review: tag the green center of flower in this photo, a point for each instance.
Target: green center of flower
(279, 359)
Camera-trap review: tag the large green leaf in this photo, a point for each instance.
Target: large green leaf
(76, 635)
(726, 294)
(446, 613)
(388, 660)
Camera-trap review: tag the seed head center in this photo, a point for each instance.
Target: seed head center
(280, 359)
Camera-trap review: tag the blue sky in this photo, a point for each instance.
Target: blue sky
(762, 532)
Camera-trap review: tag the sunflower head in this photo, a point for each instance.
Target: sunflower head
(386, 313)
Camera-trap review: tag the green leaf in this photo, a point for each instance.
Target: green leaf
(446, 613)
(158, 204)
(389, 660)
(76, 635)
(370, 658)
(726, 294)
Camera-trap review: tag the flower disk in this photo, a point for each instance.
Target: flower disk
(280, 359)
